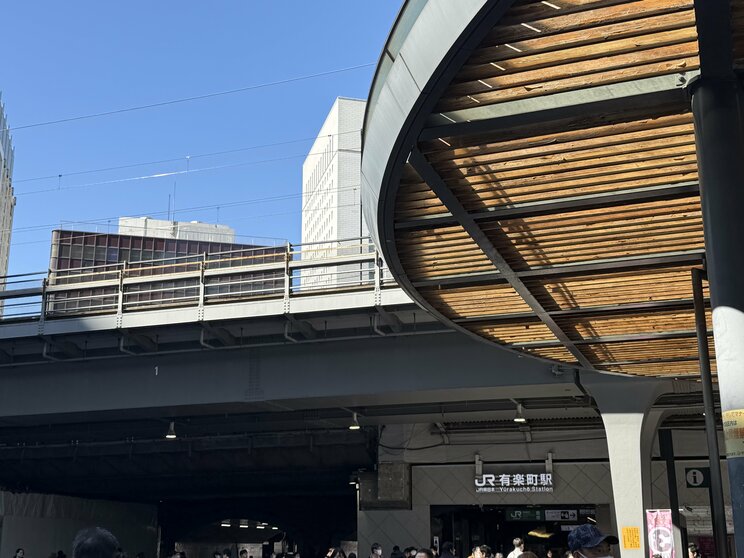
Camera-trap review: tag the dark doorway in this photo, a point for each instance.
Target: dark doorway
(543, 528)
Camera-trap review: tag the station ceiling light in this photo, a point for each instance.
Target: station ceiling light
(171, 434)
(519, 417)
(354, 423)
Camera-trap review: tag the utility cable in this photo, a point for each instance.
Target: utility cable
(237, 236)
(169, 173)
(188, 99)
(194, 208)
(181, 159)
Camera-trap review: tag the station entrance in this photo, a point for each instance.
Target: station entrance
(542, 528)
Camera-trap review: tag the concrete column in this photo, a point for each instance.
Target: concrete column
(718, 108)
(630, 426)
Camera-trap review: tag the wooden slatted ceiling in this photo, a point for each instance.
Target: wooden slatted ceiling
(565, 139)
(660, 349)
(655, 285)
(468, 302)
(602, 158)
(508, 334)
(439, 252)
(553, 353)
(582, 236)
(636, 322)
(550, 47)
(590, 327)
(675, 369)
(606, 159)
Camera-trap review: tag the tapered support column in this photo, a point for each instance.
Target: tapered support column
(718, 108)
(630, 426)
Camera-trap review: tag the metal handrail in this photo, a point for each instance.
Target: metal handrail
(289, 273)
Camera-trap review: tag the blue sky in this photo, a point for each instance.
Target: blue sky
(64, 59)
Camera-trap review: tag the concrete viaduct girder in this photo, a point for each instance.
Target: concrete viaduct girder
(426, 368)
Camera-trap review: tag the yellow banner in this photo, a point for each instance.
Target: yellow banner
(631, 538)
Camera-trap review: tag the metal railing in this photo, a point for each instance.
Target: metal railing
(195, 280)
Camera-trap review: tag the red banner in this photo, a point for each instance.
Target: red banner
(660, 533)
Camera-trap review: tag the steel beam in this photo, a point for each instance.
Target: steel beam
(564, 205)
(608, 339)
(440, 188)
(68, 348)
(225, 337)
(647, 361)
(390, 319)
(718, 111)
(307, 330)
(718, 511)
(715, 40)
(671, 259)
(608, 310)
(627, 100)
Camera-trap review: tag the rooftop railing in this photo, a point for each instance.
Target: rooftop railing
(195, 280)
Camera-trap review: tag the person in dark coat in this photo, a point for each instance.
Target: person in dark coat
(448, 550)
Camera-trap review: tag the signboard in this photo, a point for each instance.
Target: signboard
(561, 515)
(513, 482)
(523, 514)
(733, 429)
(631, 538)
(660, 533)
(697, 477)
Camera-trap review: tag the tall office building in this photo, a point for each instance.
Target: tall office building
(7, 200)
(331, 198)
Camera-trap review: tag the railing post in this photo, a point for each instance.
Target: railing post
(120, 297)
(202, 288)
(42, 314)
(378, 278)
(287, 278)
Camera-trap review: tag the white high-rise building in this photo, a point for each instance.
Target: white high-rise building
(331, 194)
(7, 200)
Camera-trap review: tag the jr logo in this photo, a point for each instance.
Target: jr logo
(485, 480)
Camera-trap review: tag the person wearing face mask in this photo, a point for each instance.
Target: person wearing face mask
(376, 551)
(586, 541)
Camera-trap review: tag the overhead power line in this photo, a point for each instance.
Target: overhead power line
(249, 236)
(181, 159)
(166, 174)
(158, 175)
(238, 203)
(189, 99)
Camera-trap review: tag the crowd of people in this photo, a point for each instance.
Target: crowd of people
(93, 542)
(586, 541)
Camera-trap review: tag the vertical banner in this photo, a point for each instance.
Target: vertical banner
(660, 533)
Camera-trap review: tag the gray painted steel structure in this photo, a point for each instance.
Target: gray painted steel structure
(429, 43)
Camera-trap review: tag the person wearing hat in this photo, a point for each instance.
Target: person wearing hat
(586, 541)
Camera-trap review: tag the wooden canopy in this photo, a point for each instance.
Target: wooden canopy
(553, 221)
